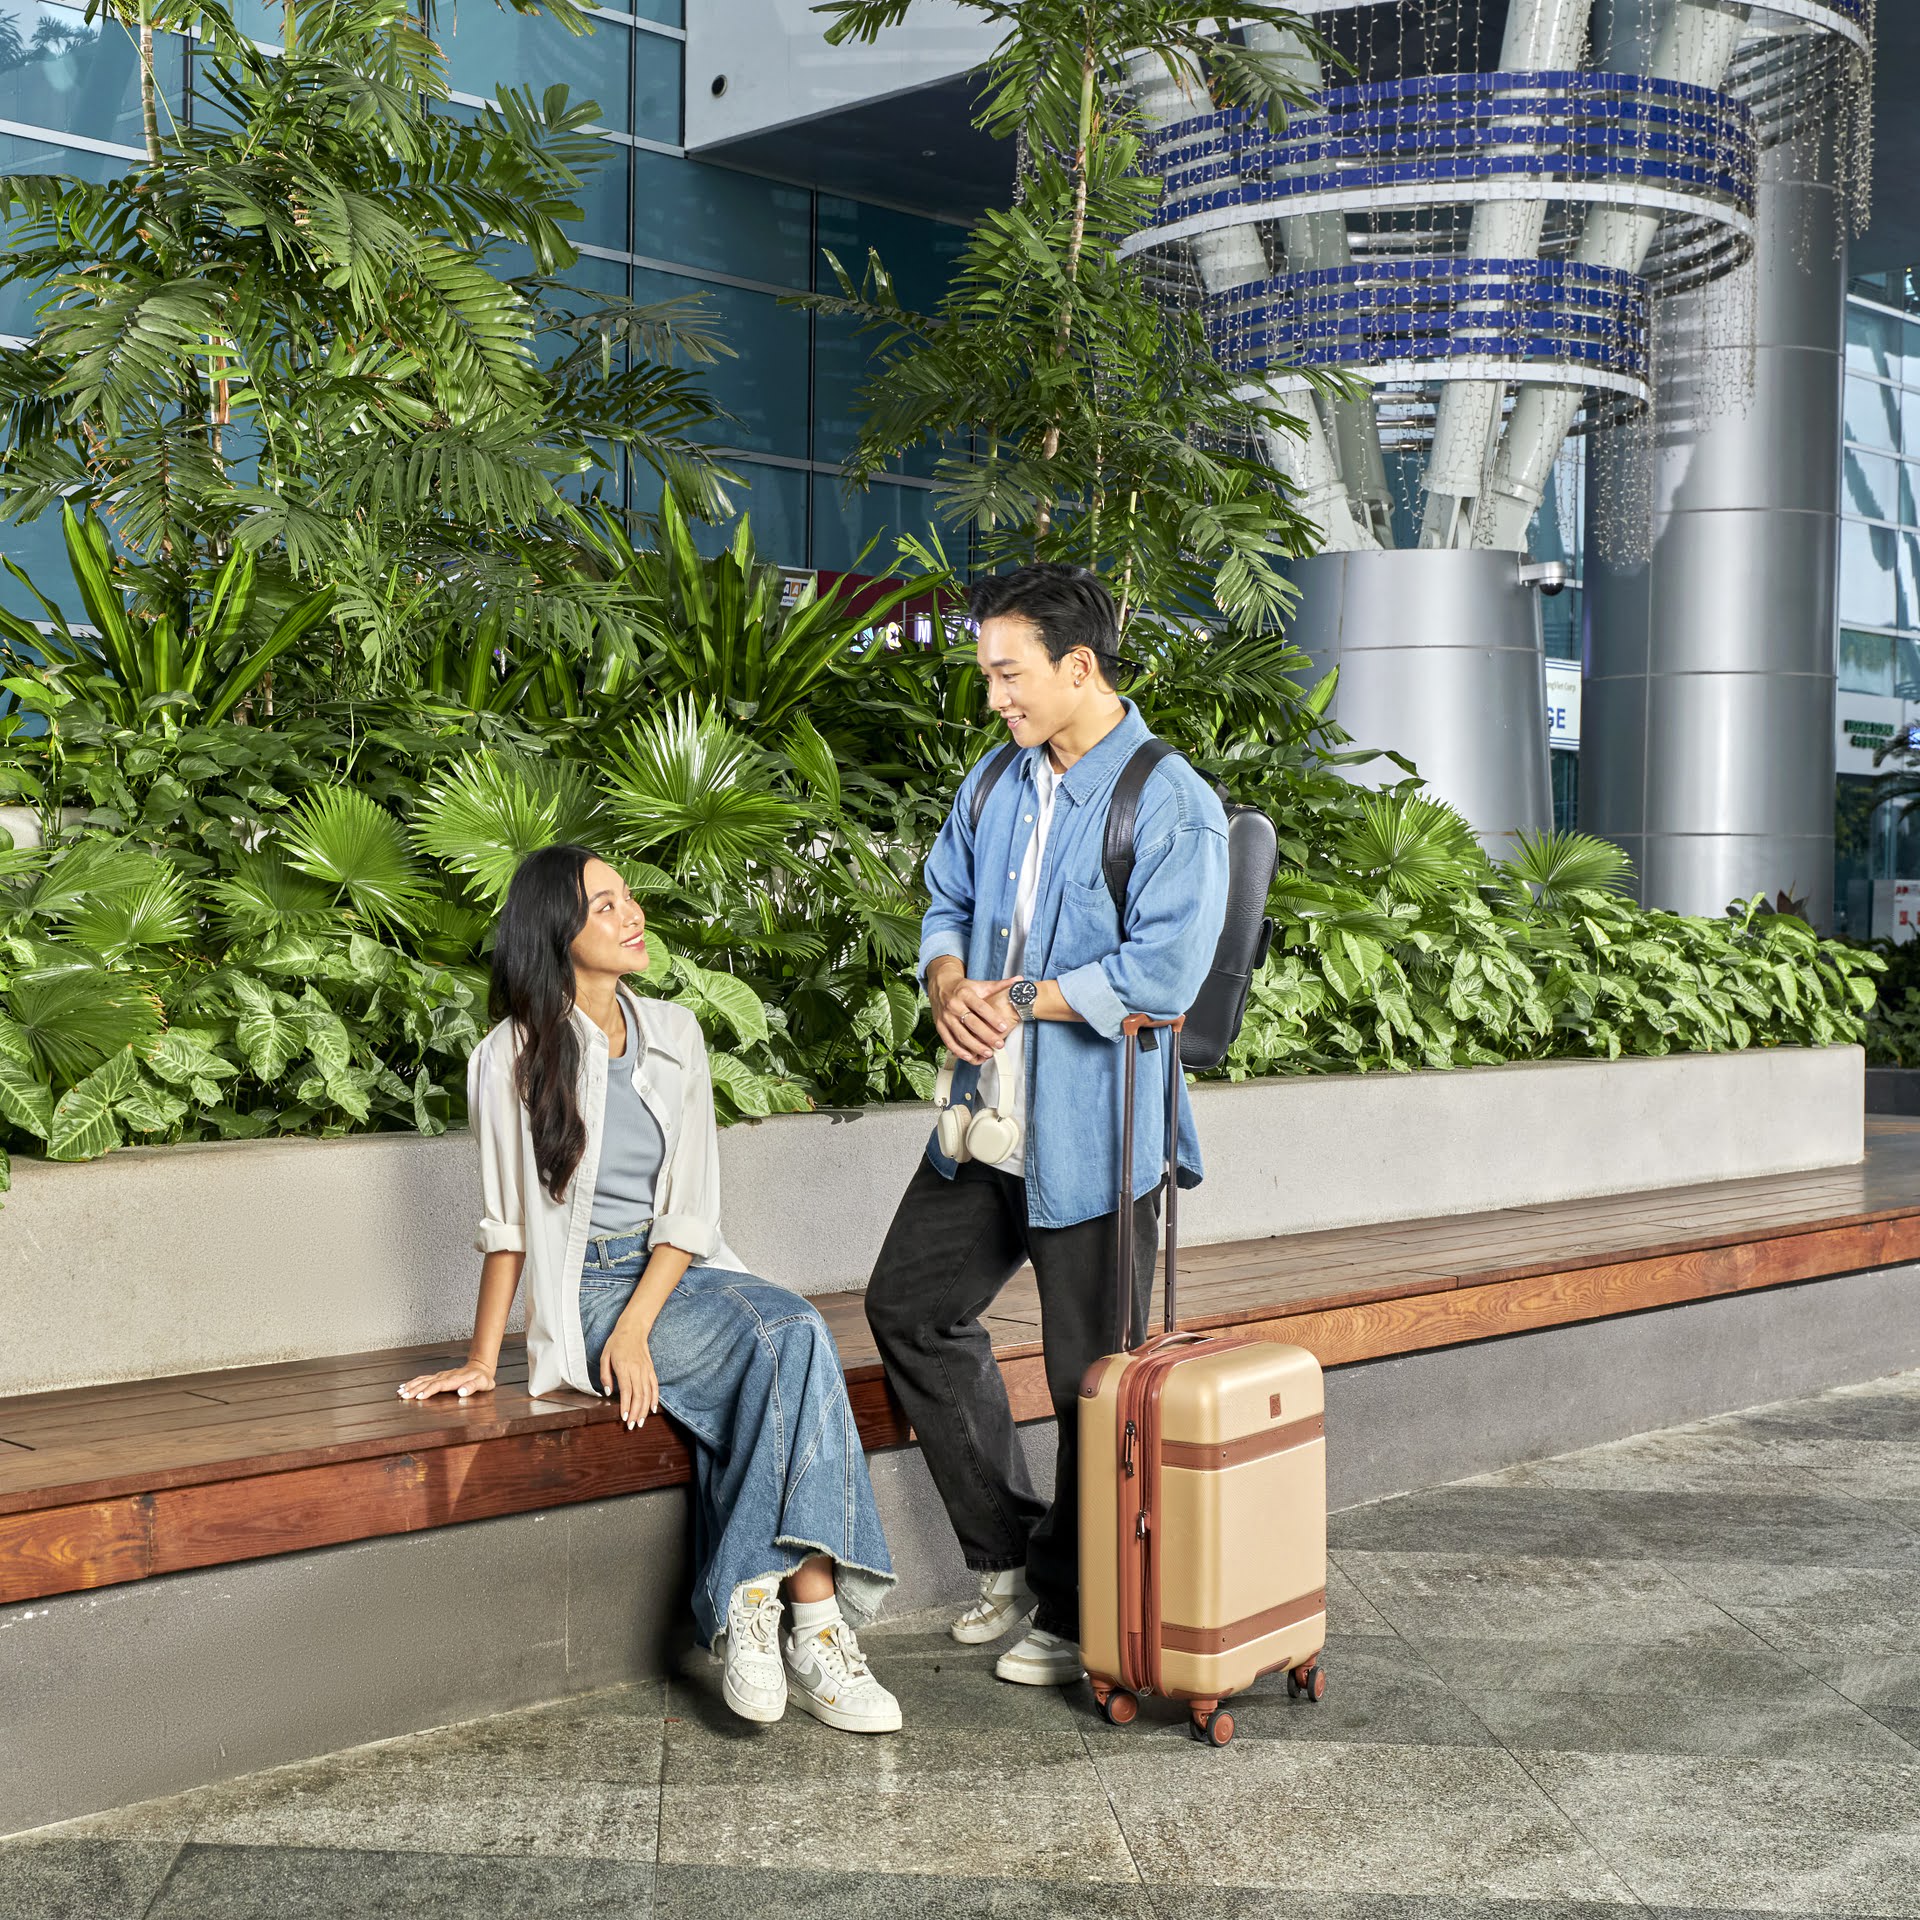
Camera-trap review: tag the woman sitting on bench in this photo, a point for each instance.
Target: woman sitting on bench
(599, 1170)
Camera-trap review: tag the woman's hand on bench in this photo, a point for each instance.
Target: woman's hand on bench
(460, 1380)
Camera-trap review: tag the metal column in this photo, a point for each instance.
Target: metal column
(1441, 660)
(1707, 718)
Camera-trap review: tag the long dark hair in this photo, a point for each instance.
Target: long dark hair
(533, 987)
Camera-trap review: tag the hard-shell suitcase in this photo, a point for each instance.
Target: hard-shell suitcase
(1203, 1495)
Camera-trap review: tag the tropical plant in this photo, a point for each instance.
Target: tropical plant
(1078, 416)
(291, 333)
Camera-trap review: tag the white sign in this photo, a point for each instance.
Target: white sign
(1563, 703)
(1865, 723)
(1896, 910)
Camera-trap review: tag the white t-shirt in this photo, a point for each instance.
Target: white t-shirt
(1003, 1080)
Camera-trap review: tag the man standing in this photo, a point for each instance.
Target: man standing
(1031, 973)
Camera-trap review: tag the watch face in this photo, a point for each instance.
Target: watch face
(1023, 993)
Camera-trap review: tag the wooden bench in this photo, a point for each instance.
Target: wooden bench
(102, 1485)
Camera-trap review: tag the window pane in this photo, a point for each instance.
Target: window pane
(919, 254)
(58, 71)
(765, 386)
(489, 47)
(1869, 483)
(843, 524)
(774, 499)
(1866, 662)
(670, 13)
(1910, 496)
(1873, 414)
(1906, 668)
(34, 156)
(1868, 596)
(700, 216)
(1873, 343)
(656, 87)
(1909, 579)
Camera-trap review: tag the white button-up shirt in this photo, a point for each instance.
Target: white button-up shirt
(517, 1215)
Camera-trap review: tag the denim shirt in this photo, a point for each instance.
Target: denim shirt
(1176, 901)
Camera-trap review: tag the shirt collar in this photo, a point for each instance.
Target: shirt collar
(647, 1020)
(1095, 771)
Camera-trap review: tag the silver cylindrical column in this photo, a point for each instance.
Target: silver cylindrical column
(1440, 659)
(1707, 716)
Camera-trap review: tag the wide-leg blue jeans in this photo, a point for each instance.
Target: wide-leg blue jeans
(751, 1374)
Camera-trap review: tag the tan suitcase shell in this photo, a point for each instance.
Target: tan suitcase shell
(1203, 1534)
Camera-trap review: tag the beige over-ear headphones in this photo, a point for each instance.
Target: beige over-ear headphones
(966, 1133)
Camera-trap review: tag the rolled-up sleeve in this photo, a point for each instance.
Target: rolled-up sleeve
(688, 1215)
(1176, 903)
(493, 1109)
(947, 925)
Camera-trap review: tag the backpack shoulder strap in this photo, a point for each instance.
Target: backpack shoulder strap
(1116, 860)
(997, 765)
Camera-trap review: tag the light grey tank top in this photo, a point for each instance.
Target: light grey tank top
(632, 1147)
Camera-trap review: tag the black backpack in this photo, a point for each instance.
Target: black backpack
(1253, 855)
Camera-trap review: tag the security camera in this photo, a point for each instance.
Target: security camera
(1549, 577)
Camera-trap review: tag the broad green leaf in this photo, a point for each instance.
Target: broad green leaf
(720, 996)
(150, 1109)
(268, 1030)
(748, 1091)
(25, 1101)
(84, 1126)
(430, 1104)
(183, 1056)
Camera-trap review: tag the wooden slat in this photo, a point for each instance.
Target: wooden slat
(65, 1549)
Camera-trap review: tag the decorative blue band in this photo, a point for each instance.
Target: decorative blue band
(1556, 313)
(1441, 135)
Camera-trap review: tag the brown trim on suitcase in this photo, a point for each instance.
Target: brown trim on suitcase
(1201, 1456)
(1243, 1633)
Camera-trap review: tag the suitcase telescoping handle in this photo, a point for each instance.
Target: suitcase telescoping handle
(1139, 1030)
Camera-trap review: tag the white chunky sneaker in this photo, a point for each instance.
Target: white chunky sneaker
(1041, 1660)
(1004, 1603)
(756, 1683)
(828, 1676)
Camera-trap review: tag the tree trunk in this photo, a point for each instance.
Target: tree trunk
(1063, 335)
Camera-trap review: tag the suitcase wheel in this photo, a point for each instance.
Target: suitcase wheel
(1310, 1681)
(1214, 1728)
(1120, 1707)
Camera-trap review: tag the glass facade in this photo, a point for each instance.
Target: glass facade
(655, 225)
(1878, 660)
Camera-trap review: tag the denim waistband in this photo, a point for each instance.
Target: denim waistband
(616, 1249)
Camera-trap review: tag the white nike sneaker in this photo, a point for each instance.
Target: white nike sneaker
(1004, 1603)
(1041, 1660)
(756, 1683)
(828, 1676)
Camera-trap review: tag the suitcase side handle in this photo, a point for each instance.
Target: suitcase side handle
(1139, 1030)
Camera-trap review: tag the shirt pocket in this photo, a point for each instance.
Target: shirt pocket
(1088, 928)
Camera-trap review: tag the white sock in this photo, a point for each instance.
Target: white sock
(810, 1616)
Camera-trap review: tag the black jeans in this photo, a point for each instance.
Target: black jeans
(953, 1245)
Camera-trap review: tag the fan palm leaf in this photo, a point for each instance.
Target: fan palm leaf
(1551, 868)
(1413, 847)
(264, 895)
(485, 815)
(687, 783)
(348, 840)
(73, 1019)
(155, 910)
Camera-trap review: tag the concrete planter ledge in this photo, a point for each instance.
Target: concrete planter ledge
(173, 1260)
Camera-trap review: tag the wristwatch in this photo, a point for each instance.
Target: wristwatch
(1021, 996)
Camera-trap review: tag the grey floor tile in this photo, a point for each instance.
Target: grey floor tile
(1622, 1524)
(1746, 1672)
(1379, 1691)
(1873, 1412)
(1811, 1722)
(1348, 1609)
(1869, 1679)
(918, 1759)
(1781, 1835)
(276, 1883)
(81, 1879)
(1814, 1611)
(749, 1893)
(1412, 1822)
(1573, 1603)
(1000, 1833)
(1288, 1903)
(1498, 1522)
(1702, 1459)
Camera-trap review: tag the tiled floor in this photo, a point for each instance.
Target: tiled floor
(1679, 1674)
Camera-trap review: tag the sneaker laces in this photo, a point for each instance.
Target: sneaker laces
(839, 1652)
(990, 1602)
(757, 1623)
